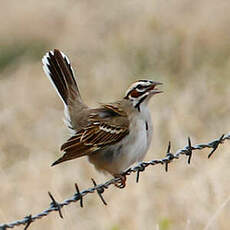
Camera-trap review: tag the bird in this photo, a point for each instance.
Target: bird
(114, 135)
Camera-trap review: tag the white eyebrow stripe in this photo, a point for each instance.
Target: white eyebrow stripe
(140, 83)
(135, 84)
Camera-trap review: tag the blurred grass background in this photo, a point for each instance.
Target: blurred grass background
(183, 44)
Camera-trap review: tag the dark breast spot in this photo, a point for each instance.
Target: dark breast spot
(146, 125)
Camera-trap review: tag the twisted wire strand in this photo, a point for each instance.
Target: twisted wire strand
(56, 206)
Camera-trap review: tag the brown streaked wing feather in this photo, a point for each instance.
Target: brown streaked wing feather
(100, 133)
(115, 108)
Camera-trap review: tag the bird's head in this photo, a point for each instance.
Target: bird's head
(141, 91)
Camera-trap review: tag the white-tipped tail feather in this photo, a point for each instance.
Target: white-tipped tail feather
(46, 68)
(59, 71)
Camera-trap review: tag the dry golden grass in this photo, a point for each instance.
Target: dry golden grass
(181, 43)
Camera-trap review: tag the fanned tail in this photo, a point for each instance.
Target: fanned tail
(58, 69)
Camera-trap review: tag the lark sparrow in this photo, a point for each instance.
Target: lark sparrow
(113, 136)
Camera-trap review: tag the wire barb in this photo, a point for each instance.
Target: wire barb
(30, 220)
(141, 169)
(78, 196)
(55, 204)
(100, 190)
(169, 157)
(189, 150)
(216, 144)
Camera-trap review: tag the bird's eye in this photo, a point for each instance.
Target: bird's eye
(140, 87)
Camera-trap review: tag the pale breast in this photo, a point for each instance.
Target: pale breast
(136, 144)
(137, 147)
(131, 149)
(142, 135)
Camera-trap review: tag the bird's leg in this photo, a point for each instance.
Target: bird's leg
(122, 182)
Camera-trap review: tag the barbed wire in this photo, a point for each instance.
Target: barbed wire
(78, 195)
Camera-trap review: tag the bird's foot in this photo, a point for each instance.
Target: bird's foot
(122, 182)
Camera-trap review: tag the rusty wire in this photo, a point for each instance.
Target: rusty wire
(78, 196)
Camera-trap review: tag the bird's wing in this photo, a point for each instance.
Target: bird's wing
(107, 125)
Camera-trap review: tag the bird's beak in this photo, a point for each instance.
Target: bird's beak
(154, 89)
